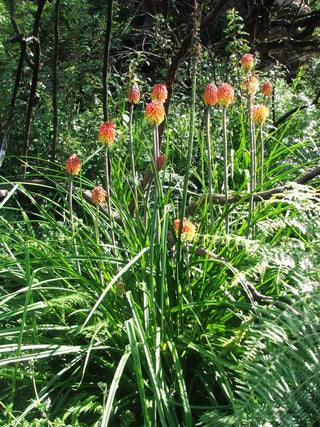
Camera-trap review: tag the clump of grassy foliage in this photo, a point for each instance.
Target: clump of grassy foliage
(220, 330)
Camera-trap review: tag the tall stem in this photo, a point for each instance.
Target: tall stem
(194, 66)
(209, 166)
(72, 223)
(133, 169)
(261, 156)
(156, 180)
(253, 167)
(225, 148)
(98, 244)
(156, 151)
(108, 193)
(71, 205)
(190, 142)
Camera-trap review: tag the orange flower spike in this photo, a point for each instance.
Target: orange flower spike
(225, 95)
(247, 61)
(107, 133)
(160, 162)
(250, 85)
(188, 229)
(259, 114)
(266, 88)
(159, 93)
(210, 94)
(134, 94)
(154, 113)
(98, 195)
(73, 165)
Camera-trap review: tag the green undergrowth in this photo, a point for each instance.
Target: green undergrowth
(115, 320)
(96, 334)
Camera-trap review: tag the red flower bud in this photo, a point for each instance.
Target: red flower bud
(134, 94)
(210, 94)
(159, 93)
(247, 61)
(73, 165)
(107, 133)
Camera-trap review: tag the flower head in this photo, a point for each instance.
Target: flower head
(154, 113)
(134, 94)
(159, 93)
(259, 113)
(210, 94)
(266, 88)
(250, 85)
(225, 95)
(73, 165)
(247, 61)
(188, 229)
(160, 162)
(107, 133)
(98, 195)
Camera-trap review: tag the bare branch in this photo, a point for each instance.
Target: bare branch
(219, 199)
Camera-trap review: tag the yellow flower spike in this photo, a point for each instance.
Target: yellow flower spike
(154, 113)
(250, 85)
(259, 114)
(247, 61)
(225, 95)
(107, 133)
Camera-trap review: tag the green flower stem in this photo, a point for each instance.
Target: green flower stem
(209, 165)
(71, 205)
(225, 147)
(133, 169)
(261, 156)
(98, 242)
(108, 193)
(155, 143)
(253, 166)
(179, 265)
(71, 221)
(190, 143)
(156, 177)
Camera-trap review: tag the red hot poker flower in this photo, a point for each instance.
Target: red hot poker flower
(210, 94)
(250, 85)
(188, 229)
(134, 94)
(98, 195)
(247, 61)
(107, 133)
(266, 88)
(225, 95)
(154, 113)
(259, 114)
(73, 165)
(159, 93)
